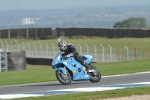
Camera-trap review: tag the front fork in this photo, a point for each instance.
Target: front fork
(64, 70)
(84, 70)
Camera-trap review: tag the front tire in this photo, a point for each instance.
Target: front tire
(94, 76)
(62, 78)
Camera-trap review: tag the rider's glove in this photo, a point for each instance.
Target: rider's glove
(68, 55)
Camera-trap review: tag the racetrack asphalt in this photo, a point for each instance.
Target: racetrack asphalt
(48, 86)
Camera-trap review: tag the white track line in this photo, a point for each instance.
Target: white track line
(128, 74)
(65, 91)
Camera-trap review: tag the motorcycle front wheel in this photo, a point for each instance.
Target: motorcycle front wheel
(95, 76)
(65, 79)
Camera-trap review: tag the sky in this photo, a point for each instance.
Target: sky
(6, 5)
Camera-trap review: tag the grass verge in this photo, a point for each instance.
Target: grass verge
(95, 95)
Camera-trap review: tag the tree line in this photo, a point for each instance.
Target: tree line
(133, 22)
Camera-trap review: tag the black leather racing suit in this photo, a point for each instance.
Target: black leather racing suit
(72, 50)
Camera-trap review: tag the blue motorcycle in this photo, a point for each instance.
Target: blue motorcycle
(68, 69)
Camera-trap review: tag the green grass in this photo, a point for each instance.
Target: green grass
(139, 43)
(37, 73)
(126, 67)
(95, 95)
(33, 73)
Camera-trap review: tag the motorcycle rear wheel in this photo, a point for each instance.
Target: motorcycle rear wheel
(94, 76)
(62, 78)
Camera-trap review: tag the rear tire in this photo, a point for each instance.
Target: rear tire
(94, 76)
(62, 78)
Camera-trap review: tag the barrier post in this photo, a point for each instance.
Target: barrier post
(144, 52)
(127, 52)
(110, 55)
(87, 48)
(102, 52)
(136, 55)
(118, 53)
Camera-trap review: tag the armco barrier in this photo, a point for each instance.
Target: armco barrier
(16, 60)
(39, 61)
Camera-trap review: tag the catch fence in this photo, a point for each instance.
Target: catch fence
(100, 53)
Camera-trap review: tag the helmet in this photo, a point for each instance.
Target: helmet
(62, 44)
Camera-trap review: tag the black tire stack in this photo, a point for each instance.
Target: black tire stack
(16, 60)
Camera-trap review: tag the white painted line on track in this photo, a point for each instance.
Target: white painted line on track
(12, 96)
(56, 92)
(74, 90)
(128, 74)
(92, 89)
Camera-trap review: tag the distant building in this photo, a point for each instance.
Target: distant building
(27, 21)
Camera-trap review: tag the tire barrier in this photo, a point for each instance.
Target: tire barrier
(3, 61)
(39, 61)
(16, 60)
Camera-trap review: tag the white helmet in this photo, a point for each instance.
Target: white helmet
(62, 44)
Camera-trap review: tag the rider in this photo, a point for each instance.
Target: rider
(70, 50)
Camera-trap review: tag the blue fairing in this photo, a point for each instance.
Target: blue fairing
(71, 65)
(87, 58)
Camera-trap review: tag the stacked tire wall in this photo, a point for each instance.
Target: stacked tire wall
(16, 60)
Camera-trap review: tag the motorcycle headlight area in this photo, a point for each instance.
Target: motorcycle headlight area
(54, 62)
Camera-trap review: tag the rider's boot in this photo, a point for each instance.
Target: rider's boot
(87, 67)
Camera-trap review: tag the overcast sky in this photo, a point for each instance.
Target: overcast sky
(63, 4)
